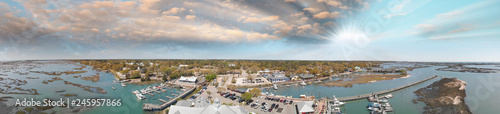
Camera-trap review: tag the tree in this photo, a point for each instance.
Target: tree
(231, 86)
(125, 71)
(211, 77)
(255, 92)
(209, 93)
(136, 74)
(247, 96)
(403, 72)
(174, 75)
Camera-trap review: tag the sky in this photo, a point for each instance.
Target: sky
(382, 30)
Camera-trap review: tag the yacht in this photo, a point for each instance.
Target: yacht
(140, 96)
(303, 83)
(143, 91)
(388, 96)
(336, 102)
(124, 85)
(136, 92)
(336, 110)
(275, 87)
(113, 87)
(383, 100)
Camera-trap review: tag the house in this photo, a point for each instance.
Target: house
(214, 108)
(278, 77)
(305, 107)
(191, 79)
(306, 76)
(231, 65)
(181, 65)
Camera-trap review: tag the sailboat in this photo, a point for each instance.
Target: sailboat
(303, 83)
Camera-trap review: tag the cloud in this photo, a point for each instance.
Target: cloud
(312, 10)
(449, 15)
(190, 17)
(325, 14)
(173, 11)
(290, 0)
(333, 3)
(257, 19)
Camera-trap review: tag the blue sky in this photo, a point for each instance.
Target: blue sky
(392, 30)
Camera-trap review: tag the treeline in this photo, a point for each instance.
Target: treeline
(171, 68)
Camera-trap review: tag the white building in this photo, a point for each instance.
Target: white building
(191, 79)
(181, 65)
(215, 108)
(305, 107)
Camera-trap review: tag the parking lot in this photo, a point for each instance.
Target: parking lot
(281, 109)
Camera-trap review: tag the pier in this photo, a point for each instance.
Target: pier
(351, 98)
(156, 107)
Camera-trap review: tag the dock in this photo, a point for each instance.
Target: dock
(157, 91)
(151, 94)
(162, 100)
(168, 97)
(156, 107)
(351, 98)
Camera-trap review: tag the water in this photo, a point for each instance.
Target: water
(482, 90)
(480, 96)
(130, 103)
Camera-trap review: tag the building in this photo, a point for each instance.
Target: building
(214, 108)
(278, 77)
(181, 65)
(306, 76)
(305, 107)
(191, 79)
(200, 102)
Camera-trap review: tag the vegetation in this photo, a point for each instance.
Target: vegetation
(169, 67)
(210, 77)
(255, 92)
(247, 96)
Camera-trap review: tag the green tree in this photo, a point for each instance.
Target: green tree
(255, 92)
(211, 77)
(136, 74)
(247, 96)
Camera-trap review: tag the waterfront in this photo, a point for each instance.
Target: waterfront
(55, 89)
(402, 101)
(480, 89)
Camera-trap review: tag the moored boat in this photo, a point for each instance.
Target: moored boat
(124, 85)
(303, 83)
(140, 96)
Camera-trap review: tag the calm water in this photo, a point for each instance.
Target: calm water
(481, 95)
(482, 90)
(130, 103)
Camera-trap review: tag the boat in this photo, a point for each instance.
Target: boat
(136, 92)
(124, 85)
(336, 102)
(383, 100)
(140, 96)
(303, 83)
(388, 96)
(143, 91)
(336, 110)
(373, 106)
(287, 85)
(275, 87)
(115, 81)
(113, 87)
(372, 99)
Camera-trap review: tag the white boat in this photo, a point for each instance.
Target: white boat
(383, 100)
(124, 85)
(140, 96)
(275, 87)
(388, 96)
(336, 102)
(136, 92)
(336, 110)
(115, 81)
(303, 83)
(143, 91)
(113, 87)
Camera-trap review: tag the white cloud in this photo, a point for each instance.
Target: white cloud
(312, 10)
(190, 17)
(325, 14)
(173, 11)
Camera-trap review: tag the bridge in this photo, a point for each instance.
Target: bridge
(351, 98)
